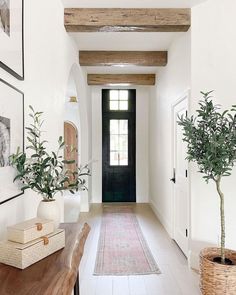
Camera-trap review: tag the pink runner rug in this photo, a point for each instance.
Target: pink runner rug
(122, 249)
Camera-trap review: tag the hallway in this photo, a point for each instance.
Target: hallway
(176, 278)
(111, 80)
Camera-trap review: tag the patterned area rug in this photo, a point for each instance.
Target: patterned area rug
(122, 249)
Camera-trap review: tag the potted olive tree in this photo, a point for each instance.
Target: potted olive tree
(211, 143)
(45, 172)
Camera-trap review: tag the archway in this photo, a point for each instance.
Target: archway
(76, 123)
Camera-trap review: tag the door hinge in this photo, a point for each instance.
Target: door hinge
(186, 173)
(186, 113)
(186, 233)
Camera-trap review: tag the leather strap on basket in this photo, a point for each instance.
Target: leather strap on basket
(39, 226)
(45, 241)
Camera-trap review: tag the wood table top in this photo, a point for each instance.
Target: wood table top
(55, 274)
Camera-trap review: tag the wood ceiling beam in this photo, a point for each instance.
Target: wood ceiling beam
(121, 79)
(127, 58)
(127, 19)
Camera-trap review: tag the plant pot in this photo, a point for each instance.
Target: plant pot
(215, 278)
(49, 210)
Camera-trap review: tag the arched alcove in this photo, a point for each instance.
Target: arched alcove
(76, 118)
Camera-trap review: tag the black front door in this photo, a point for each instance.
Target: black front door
(118, 139)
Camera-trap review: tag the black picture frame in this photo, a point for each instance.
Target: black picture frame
(7, 67)
(21, 95)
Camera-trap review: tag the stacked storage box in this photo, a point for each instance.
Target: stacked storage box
(30, 241)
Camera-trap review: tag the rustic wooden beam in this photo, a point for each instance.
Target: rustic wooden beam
(115, 58)
(127, 19)
(121, 79)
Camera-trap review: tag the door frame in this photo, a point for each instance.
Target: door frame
(131, 112)
(184, 96)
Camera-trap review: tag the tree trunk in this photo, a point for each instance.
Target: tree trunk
(222, 219)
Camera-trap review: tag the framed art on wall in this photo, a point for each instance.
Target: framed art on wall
(12, 37)
(11, 137)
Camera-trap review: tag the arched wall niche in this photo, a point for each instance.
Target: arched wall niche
(76, 113)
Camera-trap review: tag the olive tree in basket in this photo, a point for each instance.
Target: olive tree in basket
(211, 143)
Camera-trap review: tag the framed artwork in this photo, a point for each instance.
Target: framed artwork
(12, 37)
(11, 137)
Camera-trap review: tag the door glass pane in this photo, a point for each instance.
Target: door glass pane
(118, 142)
(123, 105)
(114, 158)
(123, 94)
(119, 100)
(114, 143)
(114, 95)
(114, 126)
(114, 105)
(123, 126)
(123, 158)
(123, 143)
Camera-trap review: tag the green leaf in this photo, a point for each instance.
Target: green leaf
(43, 171)
(31, 108)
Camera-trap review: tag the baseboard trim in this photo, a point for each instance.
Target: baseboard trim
(161, 218)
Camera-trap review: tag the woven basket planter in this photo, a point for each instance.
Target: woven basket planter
(217, 279)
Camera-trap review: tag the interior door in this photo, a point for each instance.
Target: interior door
(119, 153)
(180, 180)
(71, 146)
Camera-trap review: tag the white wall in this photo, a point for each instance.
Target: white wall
(213, 68)
(49, 56)
(172, 82)
(142, 171)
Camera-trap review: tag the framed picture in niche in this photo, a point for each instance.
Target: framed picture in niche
(11, 137)
(12, 37)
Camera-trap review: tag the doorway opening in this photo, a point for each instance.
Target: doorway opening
(118, 145)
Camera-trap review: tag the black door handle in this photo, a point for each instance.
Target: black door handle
(173, 179)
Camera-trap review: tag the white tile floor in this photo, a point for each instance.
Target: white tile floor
(176, 278)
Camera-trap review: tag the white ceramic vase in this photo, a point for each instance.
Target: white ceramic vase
(49, 210)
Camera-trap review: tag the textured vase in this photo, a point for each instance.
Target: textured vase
(49, 210)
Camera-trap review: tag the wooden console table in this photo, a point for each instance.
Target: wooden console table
(55, 275)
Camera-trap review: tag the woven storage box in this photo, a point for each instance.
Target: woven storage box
(217, 279)
(23, 255)
(29, 230)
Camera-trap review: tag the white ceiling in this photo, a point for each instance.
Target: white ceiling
(126, 40)
(121, 70)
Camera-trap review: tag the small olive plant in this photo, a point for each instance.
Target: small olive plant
(211, 143)
(44, 172)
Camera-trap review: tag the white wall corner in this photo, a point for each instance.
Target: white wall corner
(166, 224)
